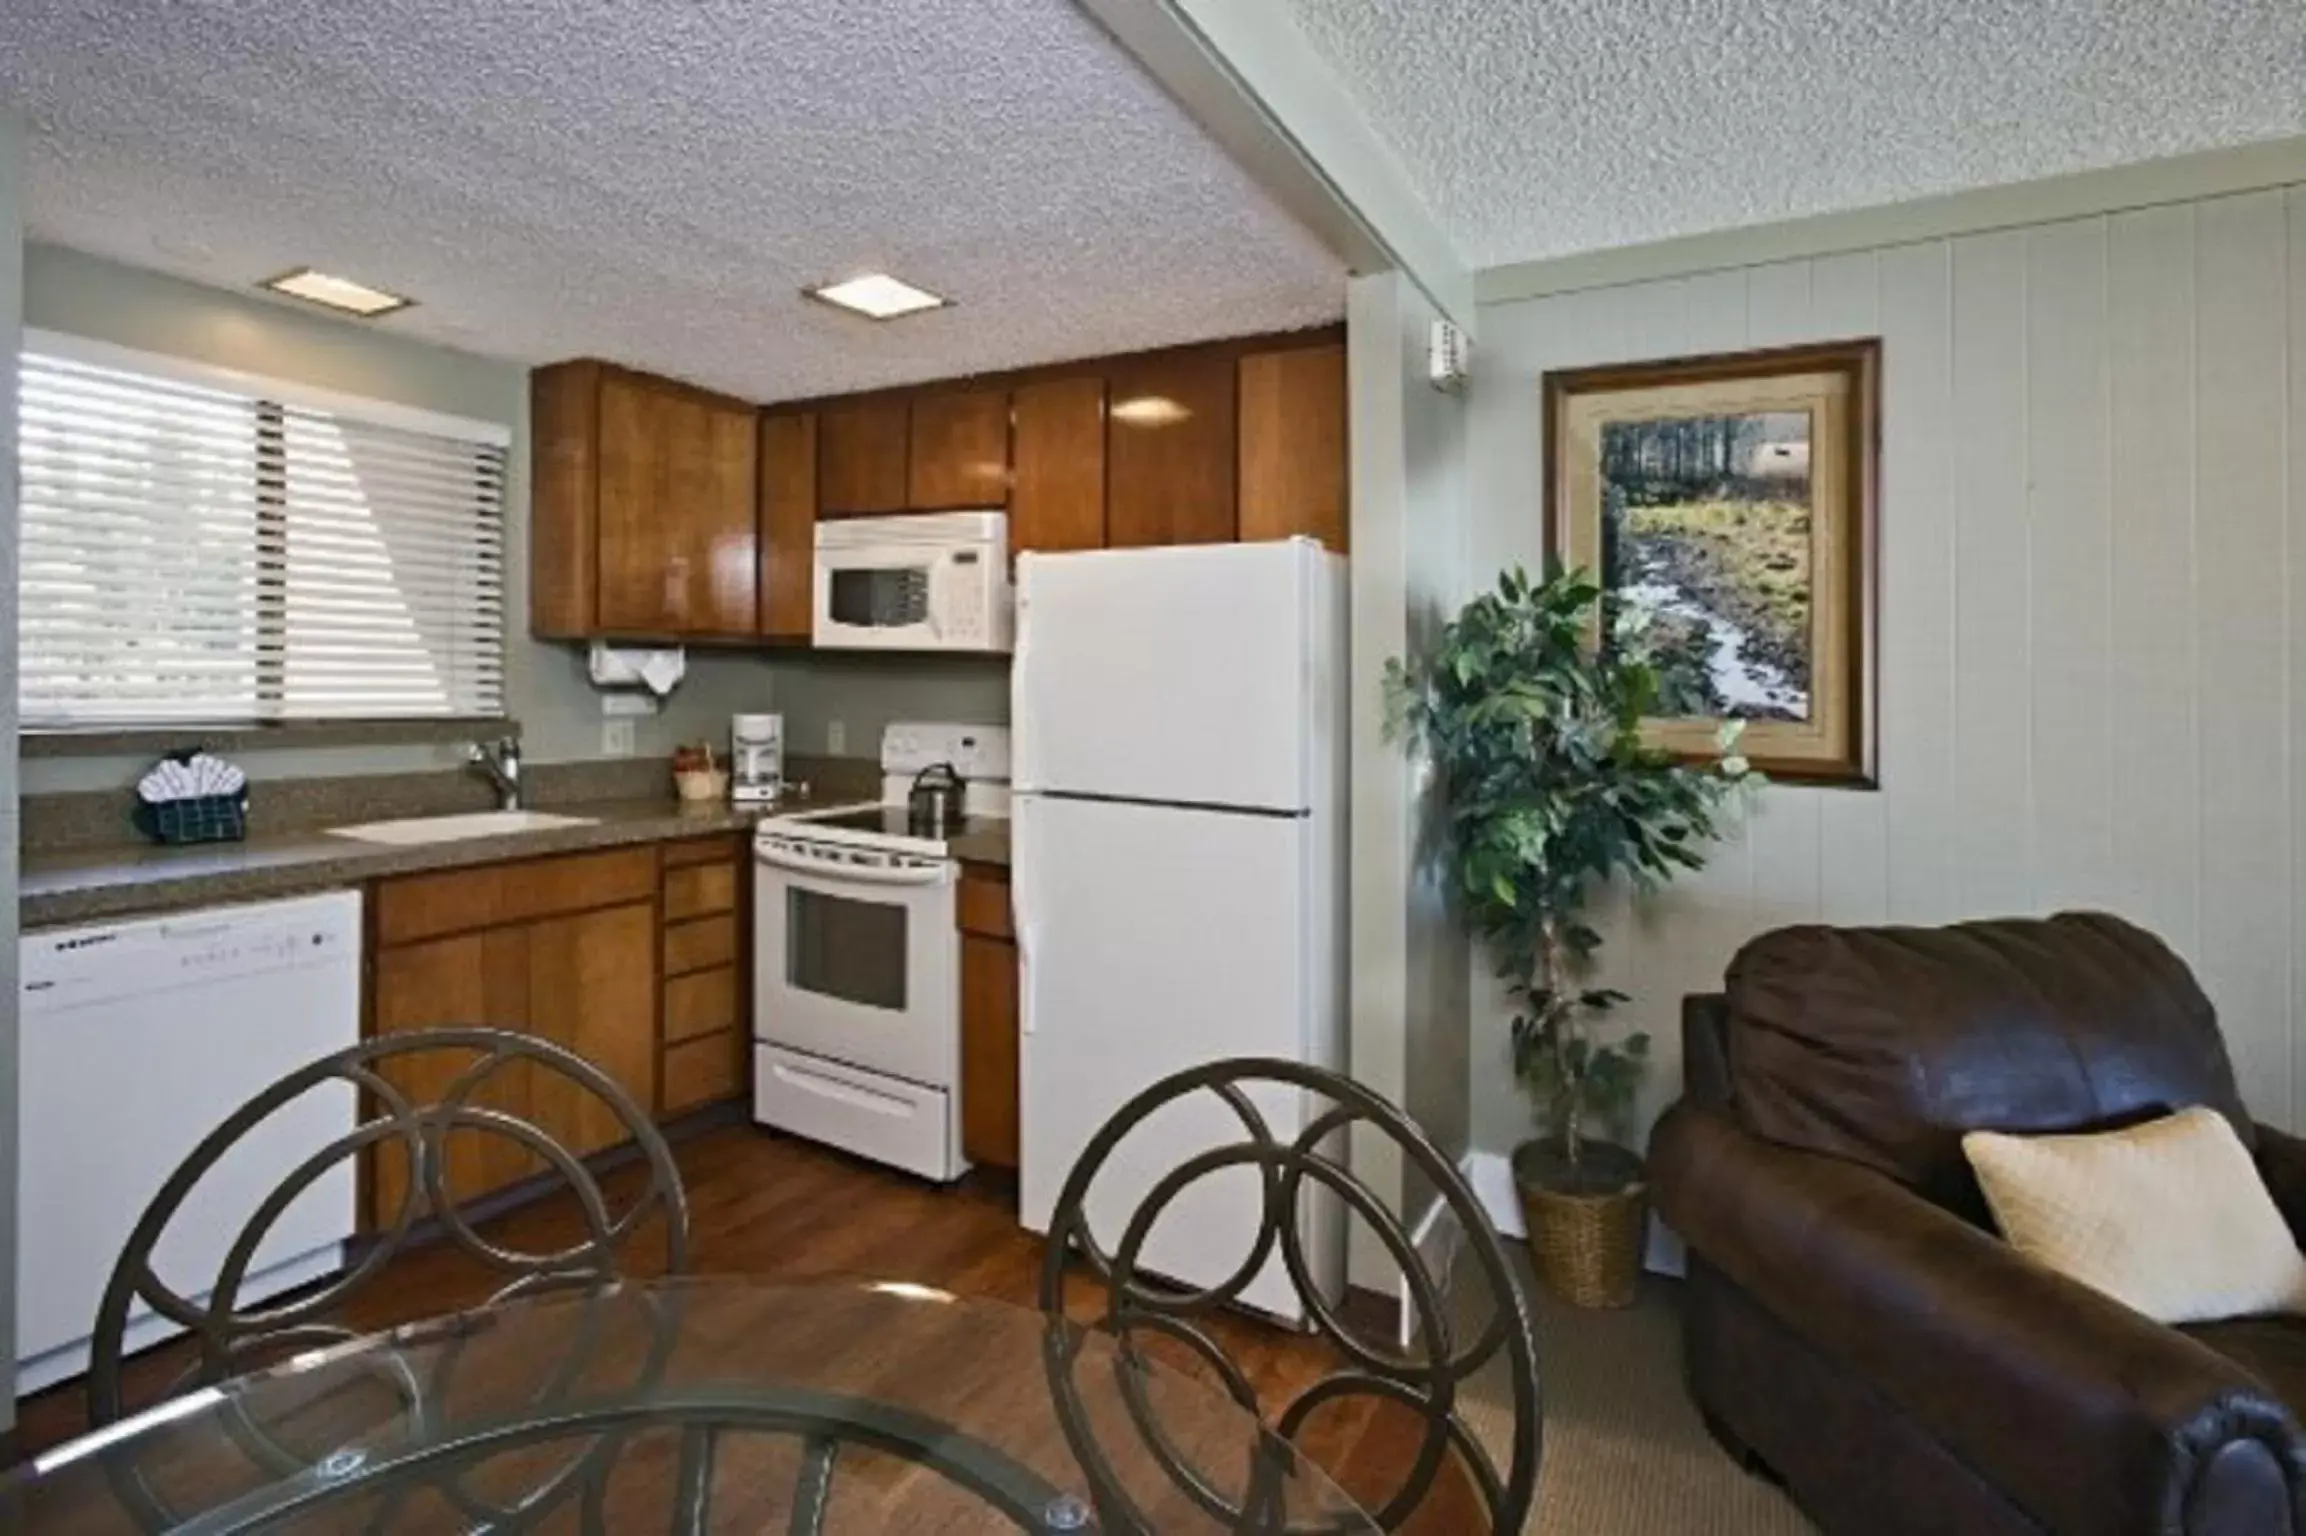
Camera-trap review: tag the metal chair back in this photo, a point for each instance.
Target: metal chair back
(231, 1339)
(1428, 1378)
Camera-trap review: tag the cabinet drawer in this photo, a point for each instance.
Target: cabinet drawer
(702, 1070)
(700, 944)
(700, 1004)
(702, 850)
(699, 889)
(982, 905)
(459, 900)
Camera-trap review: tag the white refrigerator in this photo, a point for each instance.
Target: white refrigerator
(1178, 730)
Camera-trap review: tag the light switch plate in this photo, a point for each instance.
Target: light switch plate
(616, 738)
(836, 738)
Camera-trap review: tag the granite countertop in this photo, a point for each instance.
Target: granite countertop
(90, 884)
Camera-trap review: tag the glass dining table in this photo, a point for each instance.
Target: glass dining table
(696, 1406)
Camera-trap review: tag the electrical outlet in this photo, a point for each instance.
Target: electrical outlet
(837, 738)
(616, 738)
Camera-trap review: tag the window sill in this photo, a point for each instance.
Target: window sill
(119, 741)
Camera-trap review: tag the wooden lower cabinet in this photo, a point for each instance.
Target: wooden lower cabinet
(586, 981)
(988, 1019)
(705, 1032)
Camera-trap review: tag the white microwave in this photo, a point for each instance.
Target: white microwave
(936, 581)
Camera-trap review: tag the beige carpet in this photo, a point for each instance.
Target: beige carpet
(1625, 1454)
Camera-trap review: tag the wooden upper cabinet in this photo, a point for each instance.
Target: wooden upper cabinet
(1057, 480)
(960, 450)
(861, 452)
(1170, 433)
(1293, 472)
(788, 525)
(564, 471)
(643, 519)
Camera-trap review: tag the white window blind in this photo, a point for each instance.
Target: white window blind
(201, 546)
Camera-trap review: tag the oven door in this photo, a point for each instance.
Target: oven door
(856, 958)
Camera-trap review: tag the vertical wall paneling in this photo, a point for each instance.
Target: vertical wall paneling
(2092, 614)
(2070, 596)
(2240, 511)
(1992, 554)
(1917, 582)
(1853, 835)
(2294, 760)
(2150, 513)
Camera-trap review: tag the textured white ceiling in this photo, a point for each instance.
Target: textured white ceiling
(1539, 127)
(654, 181)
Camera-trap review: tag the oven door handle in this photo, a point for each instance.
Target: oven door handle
(862, 874)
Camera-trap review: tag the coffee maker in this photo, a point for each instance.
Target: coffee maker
(756, 759)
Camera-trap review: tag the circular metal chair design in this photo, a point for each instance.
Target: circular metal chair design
(1427, 1380)
(230, 1340)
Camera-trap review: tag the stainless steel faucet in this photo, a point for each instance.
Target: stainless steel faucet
(502, 765)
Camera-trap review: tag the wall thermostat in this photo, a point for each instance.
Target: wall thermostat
(1448, 358)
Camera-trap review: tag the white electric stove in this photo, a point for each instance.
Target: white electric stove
(856, 962)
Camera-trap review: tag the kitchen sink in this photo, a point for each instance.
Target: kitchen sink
(446, 829)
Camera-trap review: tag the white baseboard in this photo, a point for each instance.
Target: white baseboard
(1491, 1175)
(1438, 1239)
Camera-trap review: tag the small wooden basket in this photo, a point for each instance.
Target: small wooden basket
(697, 784)
(1587, 1248)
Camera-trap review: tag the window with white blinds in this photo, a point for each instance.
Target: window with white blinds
(201, 546)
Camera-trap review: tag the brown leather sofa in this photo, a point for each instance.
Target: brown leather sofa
(1853, 1324)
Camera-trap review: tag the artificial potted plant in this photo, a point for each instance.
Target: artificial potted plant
(1529, 707)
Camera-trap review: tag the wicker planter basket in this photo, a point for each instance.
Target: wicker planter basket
(1586, 1244)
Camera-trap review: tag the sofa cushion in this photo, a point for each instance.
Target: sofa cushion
(2271, 1348)
(2168, 1217)
(1885, 1045)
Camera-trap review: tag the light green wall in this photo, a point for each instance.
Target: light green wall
(865, 692)
(545, 684)
(11, 296)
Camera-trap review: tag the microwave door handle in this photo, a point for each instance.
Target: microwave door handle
(934, 874)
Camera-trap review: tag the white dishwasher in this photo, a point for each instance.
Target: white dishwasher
(138, 1039)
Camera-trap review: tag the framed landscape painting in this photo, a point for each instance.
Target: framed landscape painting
(1732, 498)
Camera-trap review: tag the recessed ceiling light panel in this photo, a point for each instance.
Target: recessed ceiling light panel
(878, 296)
(336, 293)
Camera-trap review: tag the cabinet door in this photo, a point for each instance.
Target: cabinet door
(1057, 483)
(1169, 450)
(592, 989)
(722, 526)
(861, 449)
(1293, 469)
(637, 425)
(467, 979)
(788, 533)
(988, 1051)
(960, 451)
(564, 478)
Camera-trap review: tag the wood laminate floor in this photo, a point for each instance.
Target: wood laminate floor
(771, 1207)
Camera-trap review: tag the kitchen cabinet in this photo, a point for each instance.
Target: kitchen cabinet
(989, 1018)
(1057, 473)
(1169, 444)
(959, 451)
(1292, 450)
(862, 447)
(562, 948)
(643, 518)
(706, 1030)
(788, 530)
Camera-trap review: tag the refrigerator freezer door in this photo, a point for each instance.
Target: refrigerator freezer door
(1153, 939)
(1178, 674)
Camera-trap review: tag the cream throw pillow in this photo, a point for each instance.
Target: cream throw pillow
(2169, 1216)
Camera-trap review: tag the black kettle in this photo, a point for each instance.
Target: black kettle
(934, 802)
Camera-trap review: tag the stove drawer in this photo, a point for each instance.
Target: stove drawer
(884, 1118)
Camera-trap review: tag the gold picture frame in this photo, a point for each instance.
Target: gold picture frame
(1735, 496)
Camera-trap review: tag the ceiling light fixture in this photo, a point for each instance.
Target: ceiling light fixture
(340, 293)
(877, 296)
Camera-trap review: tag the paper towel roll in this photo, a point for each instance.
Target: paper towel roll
(656, 668)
